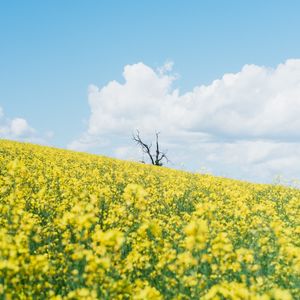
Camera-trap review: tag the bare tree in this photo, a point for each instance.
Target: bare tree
(156, 158)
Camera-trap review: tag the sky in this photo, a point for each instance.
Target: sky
(220, 81)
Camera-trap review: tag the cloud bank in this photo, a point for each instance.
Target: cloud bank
(244, 125)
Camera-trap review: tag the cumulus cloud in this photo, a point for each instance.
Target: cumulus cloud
(246, 123)
(18, 129)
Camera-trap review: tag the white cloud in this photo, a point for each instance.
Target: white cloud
(246, 123)
(1, 112)
(19, 129)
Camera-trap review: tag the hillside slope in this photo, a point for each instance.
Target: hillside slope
(80, 226)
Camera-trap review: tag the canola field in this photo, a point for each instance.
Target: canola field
(81, 226)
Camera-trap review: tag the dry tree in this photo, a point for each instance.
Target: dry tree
(156, 158)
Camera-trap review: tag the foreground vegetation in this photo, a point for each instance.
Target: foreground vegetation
(78, 226)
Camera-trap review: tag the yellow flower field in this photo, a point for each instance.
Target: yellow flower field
(81, 226)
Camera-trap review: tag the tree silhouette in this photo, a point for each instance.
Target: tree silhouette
(156, 158)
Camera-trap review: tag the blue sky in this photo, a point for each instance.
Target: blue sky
(52, 51)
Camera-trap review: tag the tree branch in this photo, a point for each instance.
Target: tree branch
(145, 147)
(158, 157)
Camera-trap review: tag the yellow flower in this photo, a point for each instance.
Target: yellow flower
(82, 226)
(279, 294)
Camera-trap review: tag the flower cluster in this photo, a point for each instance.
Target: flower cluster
(80, 226)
